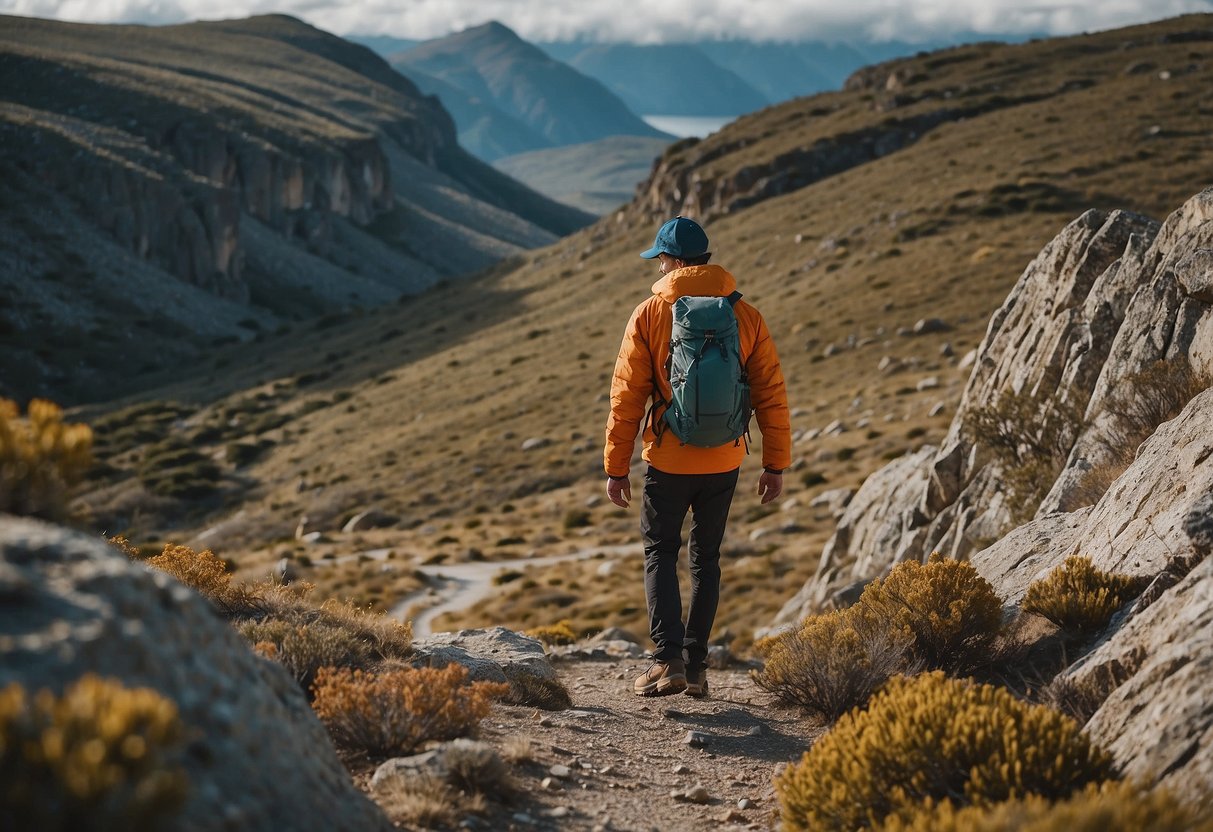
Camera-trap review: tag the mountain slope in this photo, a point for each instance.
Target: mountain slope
(493, 64)
(668, 80)
(877, 271)
(165, 188)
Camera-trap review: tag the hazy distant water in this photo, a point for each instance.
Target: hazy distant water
(683, 126)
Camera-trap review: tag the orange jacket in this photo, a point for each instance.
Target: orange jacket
(640, 367)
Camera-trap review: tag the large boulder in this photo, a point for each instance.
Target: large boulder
(258, 757)
(490, 655)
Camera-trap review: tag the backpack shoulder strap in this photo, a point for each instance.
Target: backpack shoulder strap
(733, 298)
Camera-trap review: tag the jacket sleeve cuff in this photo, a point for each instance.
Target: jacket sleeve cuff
(614, 477)
(776, 471)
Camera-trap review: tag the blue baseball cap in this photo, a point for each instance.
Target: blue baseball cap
(680, 238)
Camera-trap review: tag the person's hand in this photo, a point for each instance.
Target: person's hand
(770, 486)
(619, 491)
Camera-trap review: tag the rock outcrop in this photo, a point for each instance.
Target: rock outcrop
(258, 758)
(1100, 305)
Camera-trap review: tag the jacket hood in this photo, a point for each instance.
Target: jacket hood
(695, 281)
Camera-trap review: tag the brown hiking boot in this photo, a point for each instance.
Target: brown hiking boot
(662, 679)
(697, 682)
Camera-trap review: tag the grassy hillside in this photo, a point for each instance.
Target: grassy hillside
(424, 410)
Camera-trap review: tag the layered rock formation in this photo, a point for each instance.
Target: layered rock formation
(257, 759)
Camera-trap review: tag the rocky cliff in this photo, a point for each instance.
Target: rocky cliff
(273, 170)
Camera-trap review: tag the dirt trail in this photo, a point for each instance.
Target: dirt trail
(458, 586)
(628, 762)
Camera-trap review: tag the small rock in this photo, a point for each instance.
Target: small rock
(551, 784)
(937, 409)
(733, 816)
(676, 794)
(547, 722)
(929, 325)
(524, 818)
(672, 713)
(946, 350)
(535, 443)
(697, 739)
(756, 731)
(834, 428)
(607, 769)
(745, 803)
(681, 769)
(559, 812)
(699, 794)
(563, 772)
(928, 383)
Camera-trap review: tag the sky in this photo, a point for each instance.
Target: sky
(644, 21)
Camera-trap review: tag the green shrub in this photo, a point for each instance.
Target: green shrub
(932, 738)
(99, 757)
(1105, 807)
(951, 612)
(833, 662)
(1079, 598)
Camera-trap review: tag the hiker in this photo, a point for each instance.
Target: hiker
(721, 345)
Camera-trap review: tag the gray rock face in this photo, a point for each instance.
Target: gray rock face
(259, 759)
(492, 655)
(1108, 297)
(1159, 722)
(1141, 526)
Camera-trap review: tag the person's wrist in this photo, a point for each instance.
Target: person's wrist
(617, 478)
(778, 472)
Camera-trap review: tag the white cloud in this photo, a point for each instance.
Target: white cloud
(644, 21)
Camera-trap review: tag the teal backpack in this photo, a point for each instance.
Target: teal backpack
(710, 405)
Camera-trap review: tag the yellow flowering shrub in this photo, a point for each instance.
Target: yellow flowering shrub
(99, 757)
(395, 712)
(207, 573)
(550, 634)
(1079, 598)
(833, 662)
(1105, 807)
(951, 612)
(932, 738)
(40, 459)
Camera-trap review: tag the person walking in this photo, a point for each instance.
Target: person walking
(685, 472)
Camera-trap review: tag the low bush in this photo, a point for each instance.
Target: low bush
(396, 712)
(951, 612)
(99, 757)
(932, 738)
(1105, 807)
(554, 634)
(41, 458)
(1079, 598)
(305, 648)
(833, 662)
(208, 574)
(534, 692)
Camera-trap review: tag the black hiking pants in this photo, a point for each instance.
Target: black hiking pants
(667, 498)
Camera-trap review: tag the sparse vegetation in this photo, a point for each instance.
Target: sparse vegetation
(41, 458)
(1031, 433)
(101, 756)
(931, 738)
(553, 634)
(394, 713)
(1079, 598)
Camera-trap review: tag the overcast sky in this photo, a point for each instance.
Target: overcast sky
(645, 21)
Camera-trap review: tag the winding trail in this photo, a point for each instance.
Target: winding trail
(459, 586)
